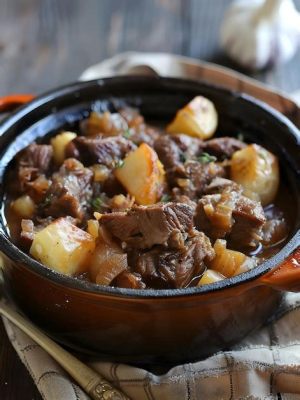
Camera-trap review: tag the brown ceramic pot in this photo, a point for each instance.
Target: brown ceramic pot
(150, 325)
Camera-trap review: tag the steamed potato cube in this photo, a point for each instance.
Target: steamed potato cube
(24, 206)
(198, 118)
(63, 247)
(210, 276)
(59, 143)
(257, 171)
(142, 175)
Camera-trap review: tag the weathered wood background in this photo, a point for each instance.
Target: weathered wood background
(45, 43)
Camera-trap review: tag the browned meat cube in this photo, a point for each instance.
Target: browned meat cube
(144, 226)
(231, 215)
(167, 268)
(32, 162)
(70, 192)
(106, 151)
(223, 147)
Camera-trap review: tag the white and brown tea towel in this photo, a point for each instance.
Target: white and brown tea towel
(266, 365)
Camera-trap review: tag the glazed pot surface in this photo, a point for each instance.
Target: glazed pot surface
(139, 330)
(146, 326)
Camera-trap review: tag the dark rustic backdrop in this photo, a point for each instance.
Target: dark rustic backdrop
(45, 43)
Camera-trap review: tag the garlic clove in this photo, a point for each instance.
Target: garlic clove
(261, 33)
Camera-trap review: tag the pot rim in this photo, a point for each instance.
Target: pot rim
(17, 255)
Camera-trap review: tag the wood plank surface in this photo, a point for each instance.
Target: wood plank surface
(46, 43)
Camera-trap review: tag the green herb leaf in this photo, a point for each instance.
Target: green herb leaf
(97, 203)
(206, 158)
(127, 133)
(47, 201)
(119, 164)
(183, 157)
(165, 198)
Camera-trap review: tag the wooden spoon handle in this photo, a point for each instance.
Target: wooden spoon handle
(91, 382)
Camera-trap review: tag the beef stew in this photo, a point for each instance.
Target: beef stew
(127, 204)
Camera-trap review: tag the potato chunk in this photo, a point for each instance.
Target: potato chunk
(142, 175)
(198, 118)
(24, 206)
(59, 143)
(63, 247)
(229, 262)
(210, 276)
(257, 171)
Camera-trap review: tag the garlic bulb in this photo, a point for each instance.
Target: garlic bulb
(261, 33)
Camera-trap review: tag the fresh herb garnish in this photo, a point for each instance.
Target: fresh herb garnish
(127, 133)
(47, 201)
(206, 158)
(183, 157)
(119, 164)
(165, 198)
(97, 203)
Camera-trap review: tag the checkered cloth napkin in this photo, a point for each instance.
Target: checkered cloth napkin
(266, 365)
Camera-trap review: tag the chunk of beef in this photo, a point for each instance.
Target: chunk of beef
(144, 134)
(179, 153)
(231, 215)
(38, 188)
(214, 214)
(223, 147)
(173, 150)
(112, 186)
(33, 161)
(144, 226)
(193, 177)
(167, 268)
(249, 219)
(129, 280)
(37, 156)
(168, 152)
(70, 192)
(177, 197)
(220, 185)
(106, 151)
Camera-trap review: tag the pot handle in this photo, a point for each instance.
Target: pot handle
(13, 101)
(286, 276)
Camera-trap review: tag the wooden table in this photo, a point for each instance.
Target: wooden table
(45, 43)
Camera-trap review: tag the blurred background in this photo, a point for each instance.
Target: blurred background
(45, 43)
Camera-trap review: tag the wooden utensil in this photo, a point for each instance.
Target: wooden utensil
(91, 382)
